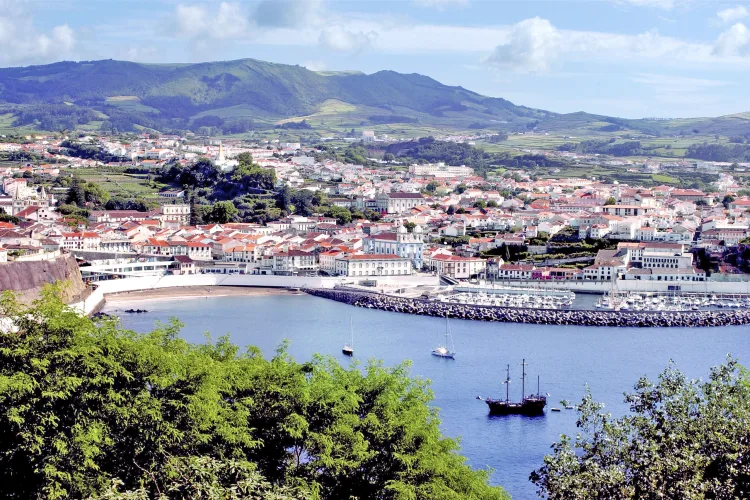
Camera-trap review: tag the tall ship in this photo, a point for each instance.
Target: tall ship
(529, 405)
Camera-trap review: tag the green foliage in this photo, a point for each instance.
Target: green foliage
(196, 217)
(372, 215)
(611, 201)
(88, 409)
(73, 210)
(221, 212)
(88, 151)
(202, 477)
(247, 175)
(683, 439)
(54, 117)
(341, 214)
(8, 218)
(82, 193)
(718, 152)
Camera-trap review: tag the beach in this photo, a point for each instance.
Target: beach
(194, 292)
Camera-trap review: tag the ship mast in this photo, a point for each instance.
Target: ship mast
(523, 379)
(507, 384)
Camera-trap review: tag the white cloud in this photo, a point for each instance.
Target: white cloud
(343, 40)
(315, 65)
(535, 46)
(659, 4)
(441, 4)
(197, 21)
(21, 42)
(734, 42)
(289, 13)
(732, 14)
(532, 46)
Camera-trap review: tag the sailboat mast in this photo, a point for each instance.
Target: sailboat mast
(523, 379)
(537, 386)
(446, 331)
(351, 331)
(507, 384)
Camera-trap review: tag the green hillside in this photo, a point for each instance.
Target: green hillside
(233, 97)
(251, 91)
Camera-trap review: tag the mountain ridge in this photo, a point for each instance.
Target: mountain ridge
(249, 93)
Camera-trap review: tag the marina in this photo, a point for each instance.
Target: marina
(631, 301)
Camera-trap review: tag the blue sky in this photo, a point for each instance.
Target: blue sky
(630, 58)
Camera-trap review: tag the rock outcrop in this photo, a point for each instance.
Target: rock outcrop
(28, 278)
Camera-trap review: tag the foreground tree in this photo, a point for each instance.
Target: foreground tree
(683, 439)
(88, 409)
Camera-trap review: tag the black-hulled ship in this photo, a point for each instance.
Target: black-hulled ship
(529, 405)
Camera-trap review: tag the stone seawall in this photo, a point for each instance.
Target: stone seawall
(28, 278)
(535, 316)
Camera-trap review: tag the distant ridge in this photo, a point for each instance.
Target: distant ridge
(245, 94)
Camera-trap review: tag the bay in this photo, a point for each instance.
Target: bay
(567, 358)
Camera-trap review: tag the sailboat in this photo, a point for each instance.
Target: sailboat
(529, 405)
(443, 350)
(348, 348)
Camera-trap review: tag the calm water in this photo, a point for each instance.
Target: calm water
(609, 360)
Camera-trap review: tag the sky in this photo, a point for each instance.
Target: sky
(627, 58)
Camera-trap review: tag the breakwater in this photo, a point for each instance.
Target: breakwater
(534, 316)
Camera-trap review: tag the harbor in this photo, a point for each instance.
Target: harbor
(607, 360)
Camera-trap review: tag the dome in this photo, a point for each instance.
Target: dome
(402, 230)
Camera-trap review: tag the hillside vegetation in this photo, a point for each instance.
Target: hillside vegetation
(90, 410)
(174, 96)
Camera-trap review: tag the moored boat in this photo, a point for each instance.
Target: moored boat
(348, 348)
(443, 350)
(529, 405)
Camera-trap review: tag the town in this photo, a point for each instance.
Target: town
(427, 218)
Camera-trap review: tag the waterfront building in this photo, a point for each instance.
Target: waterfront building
(373, 265)
(458, 267)
(293, 261)
(402, 243)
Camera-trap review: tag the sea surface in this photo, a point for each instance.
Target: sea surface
(567, 358)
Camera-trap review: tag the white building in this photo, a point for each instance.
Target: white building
(397, 203)
(177, 213)
(373, 265)
(440, 170)
(402, 243)
(458, 267)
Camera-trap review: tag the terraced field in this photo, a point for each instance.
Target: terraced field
(119, 183)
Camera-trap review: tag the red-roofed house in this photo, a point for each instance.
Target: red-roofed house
(84, 240)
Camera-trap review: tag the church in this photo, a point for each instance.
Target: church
(401, 243)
